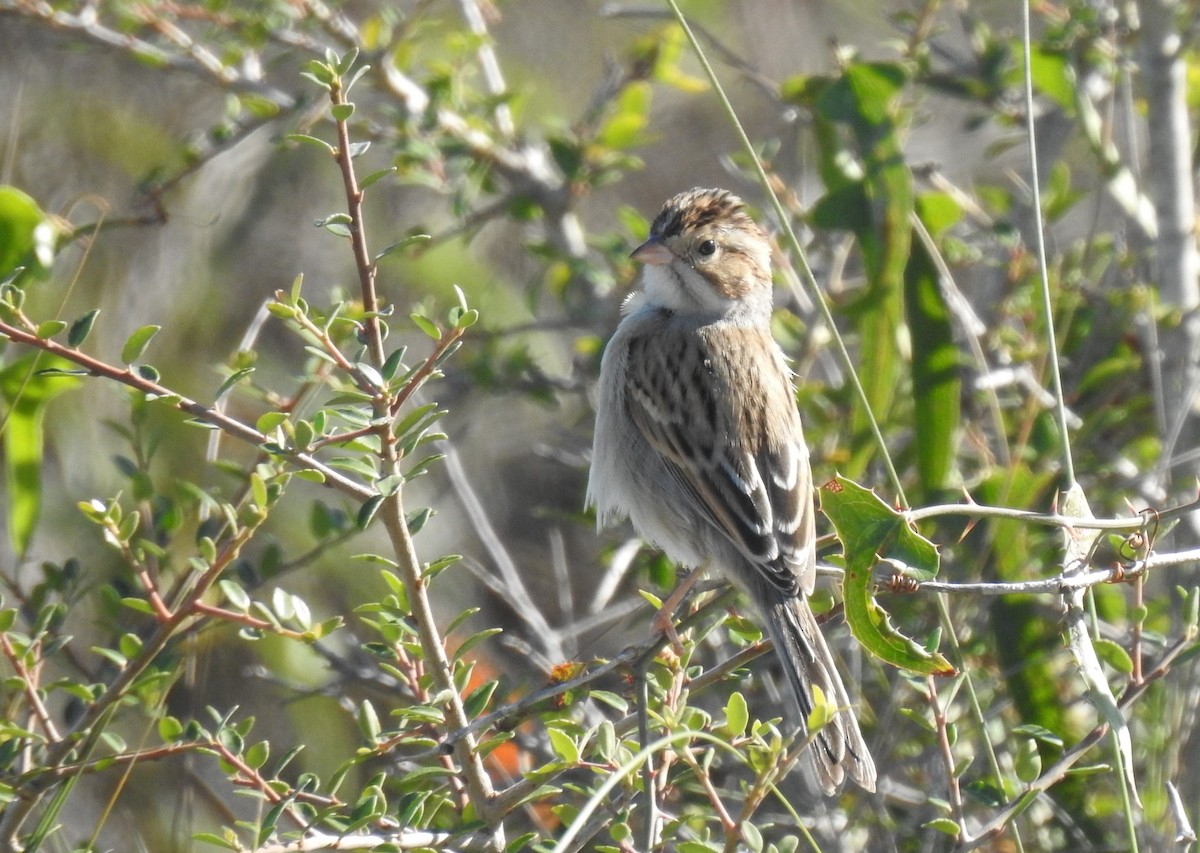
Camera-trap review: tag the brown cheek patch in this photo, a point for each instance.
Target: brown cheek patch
(735, 276)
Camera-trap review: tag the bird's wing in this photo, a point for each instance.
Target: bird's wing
(707, 414)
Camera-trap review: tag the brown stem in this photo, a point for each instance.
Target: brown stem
(943, 737)
(391, 511)
(201, 608)
(426, 369)
(358, 234)
(31, 693)
(229, 425)
(332, 349)
(731, 827)
(161, 611)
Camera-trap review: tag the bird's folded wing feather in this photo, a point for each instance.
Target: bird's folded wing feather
(749, 476)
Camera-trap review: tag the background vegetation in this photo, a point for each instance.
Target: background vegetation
(302, 309)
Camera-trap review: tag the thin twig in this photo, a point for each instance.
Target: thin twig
(30, 688)
(208, 414)
(943, 738)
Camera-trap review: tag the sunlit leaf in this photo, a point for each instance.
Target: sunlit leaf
(869, 530)
(136, 344)
(27, 392)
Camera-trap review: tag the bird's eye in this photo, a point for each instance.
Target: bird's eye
(707, 247)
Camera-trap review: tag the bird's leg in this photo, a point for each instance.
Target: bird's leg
(664, 620)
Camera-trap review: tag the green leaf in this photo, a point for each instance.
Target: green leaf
(258, 490)
(432, 570)
(368, 721)
(268, 422)
(476, 703)
(427, 326)
(271, 820)
(345, 63)
(130, 645)
(1114, 655)
(81, 328)
(404, 243)
(1053, 75)
(257, 754)
(339, 218)
(341, 112)
(864, 96)
(137, 343)
(1090, 770)
(26, 235)
(1039, 733)
(937, 383)
(27, 392)
(367, 511)
(943, 824)
(170, 729)
(417, 519)
(376, 176)
(737, 714)
(1027, 763)
(463, 318)
(393, 364)
(751, 836)
(920, 717)
(870, 530)
(418, 415)
(475, 639)
(49, 329)
(986, 793)
(112, 655)
(217, 840)
(564, 746)
(234, 594)
(231, 380)
(359, 72)
(320, 72)
(628, 119)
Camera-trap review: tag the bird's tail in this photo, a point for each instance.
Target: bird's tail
(838, 749)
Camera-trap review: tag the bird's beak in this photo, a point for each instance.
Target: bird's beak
(652, 252)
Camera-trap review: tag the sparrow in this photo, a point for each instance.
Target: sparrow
(698, 442)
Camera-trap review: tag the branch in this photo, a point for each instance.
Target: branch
(1051, 519)
(210, 415)
(194, 60)
(391, 510)
(30, 689)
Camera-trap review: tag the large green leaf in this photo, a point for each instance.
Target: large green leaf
(870, 530)
(935, 359)
(26, 236)
(27, 392)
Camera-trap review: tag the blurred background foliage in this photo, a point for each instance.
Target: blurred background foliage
(533, 141)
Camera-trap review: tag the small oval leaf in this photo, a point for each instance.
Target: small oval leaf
(137, 342)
